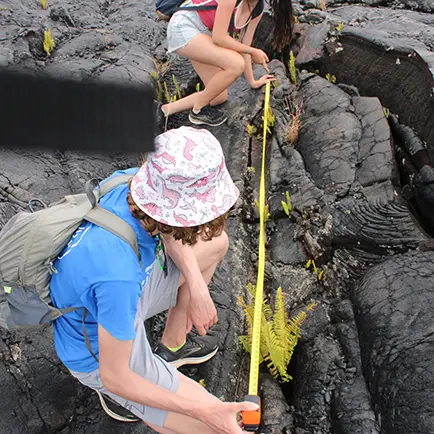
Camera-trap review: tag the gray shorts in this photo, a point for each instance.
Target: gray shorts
(183, 27)
(159, 295)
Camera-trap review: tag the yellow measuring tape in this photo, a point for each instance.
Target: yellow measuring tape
(251, 419)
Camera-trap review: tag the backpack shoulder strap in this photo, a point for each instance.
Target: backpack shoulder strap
(114, 224)
(106, 219)
(112, 183)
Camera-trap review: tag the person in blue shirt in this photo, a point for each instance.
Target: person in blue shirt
(177, 203)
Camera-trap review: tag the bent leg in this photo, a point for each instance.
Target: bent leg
(203, 50)
(208, 254)
(206, 73)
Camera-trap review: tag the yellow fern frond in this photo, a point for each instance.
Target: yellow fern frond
(251, 129)
(312, 305)
(175, 82)
(251, 288)
(292, 68)
(48, 43)
(280, 319)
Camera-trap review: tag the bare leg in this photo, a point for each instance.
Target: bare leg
(206, 73)
(203, 50)
(208, 254)
(159, 429)
(179, 424)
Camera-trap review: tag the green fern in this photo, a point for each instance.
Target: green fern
(279, 333)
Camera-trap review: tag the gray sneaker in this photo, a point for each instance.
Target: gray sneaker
(208, 115)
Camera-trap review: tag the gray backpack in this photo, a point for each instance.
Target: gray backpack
(30, 243)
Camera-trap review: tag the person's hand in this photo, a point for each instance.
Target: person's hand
(263, 80)
(201, 311)
(222, 417)
(258, 56)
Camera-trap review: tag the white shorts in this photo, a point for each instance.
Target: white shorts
(183, 27)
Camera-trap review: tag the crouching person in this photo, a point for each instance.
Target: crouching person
(177, 203)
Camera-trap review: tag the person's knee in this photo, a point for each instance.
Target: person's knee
(236, 64)
(221, 246)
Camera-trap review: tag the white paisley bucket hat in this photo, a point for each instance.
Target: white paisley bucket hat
(184, 182)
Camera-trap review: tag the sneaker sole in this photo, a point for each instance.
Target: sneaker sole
(111, 413)
(193, 360)
(197, 122)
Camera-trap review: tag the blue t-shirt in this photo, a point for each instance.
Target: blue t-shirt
(101, 272)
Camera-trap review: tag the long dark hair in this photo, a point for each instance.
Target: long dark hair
(283, 17)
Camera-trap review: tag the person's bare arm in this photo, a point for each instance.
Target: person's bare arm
(248, 71)
(220, 33)
(118, 378)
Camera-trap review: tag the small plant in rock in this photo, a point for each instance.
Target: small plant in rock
(158, 90)
(166, 93)
(43, 4)
(266, 211)
(292, 68)
(279, 333)
(270, 120)
(293, 128)
(251, 170)
(331, 78)
(320, 273)
(251, 129)
(287, 206)
(175, 82)
(386, 112)
(168, 96)
(340, 26)
(48, 42)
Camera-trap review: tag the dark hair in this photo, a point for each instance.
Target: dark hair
(188, 235)
(283, 17)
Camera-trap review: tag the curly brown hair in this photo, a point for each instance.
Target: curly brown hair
(188, 235)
